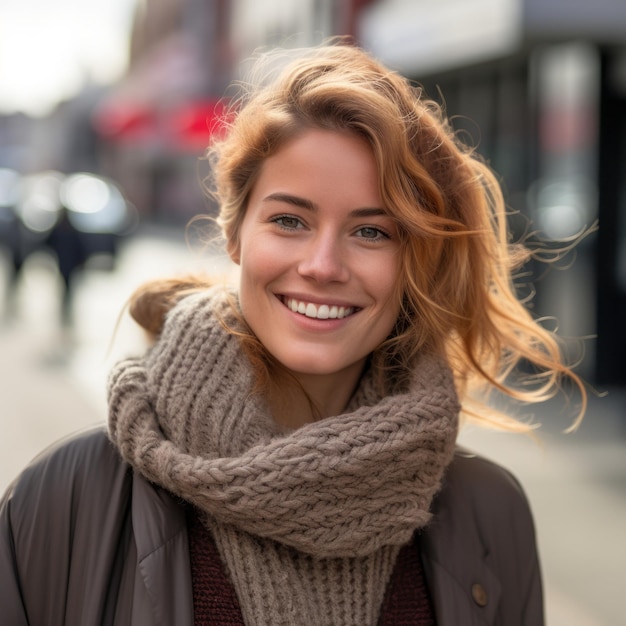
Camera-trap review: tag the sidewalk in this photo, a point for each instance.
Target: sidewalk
(52, 385)
(41, 400)
(576, 485)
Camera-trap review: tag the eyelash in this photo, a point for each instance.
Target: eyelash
(382, 234)
(278, 218)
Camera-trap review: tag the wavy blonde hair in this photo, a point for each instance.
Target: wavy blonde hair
(456, 288)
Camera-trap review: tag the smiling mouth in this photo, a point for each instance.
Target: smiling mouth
(319, 311)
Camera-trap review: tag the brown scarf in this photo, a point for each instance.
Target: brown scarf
(309, 522)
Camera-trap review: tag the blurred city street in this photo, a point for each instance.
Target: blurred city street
(52, 382)
(104, 134)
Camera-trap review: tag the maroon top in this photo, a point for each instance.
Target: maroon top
(215, 603)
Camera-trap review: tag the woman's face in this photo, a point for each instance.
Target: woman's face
(319, 256)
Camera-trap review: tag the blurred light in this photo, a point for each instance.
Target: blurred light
(95, 204)
(84, 193)
(563, 207)
(39, 206)
(561, 221)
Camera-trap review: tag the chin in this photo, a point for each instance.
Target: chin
(319, 367)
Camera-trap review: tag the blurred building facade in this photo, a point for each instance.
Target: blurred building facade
(539, 86)
(155, 124)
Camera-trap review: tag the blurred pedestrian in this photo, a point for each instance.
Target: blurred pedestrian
(284, 452)
(68, 246)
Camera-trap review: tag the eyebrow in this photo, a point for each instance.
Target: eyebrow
(308, 205)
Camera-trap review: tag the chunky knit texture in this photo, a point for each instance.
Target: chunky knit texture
(309, 522)
(406, 602)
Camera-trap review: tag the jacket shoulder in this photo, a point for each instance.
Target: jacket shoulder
(482, 498)
(482, 484)
(79, 461)
(62, 529)
(78, 482)
(483, 532)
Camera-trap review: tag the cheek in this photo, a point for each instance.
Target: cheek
(386, 275)
(260, 266)
(391, 289)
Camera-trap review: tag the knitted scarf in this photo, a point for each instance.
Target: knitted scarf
(308, 521)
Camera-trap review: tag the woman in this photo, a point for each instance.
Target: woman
(284, 453)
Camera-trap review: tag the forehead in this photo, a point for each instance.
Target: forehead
(322, 165)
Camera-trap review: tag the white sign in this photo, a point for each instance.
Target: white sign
(416, 36)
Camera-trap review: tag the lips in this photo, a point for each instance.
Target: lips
(319, 311)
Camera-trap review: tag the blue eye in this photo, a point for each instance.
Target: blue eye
(371, 233)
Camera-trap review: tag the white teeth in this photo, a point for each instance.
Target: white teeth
(321, 312)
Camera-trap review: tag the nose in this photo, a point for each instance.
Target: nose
(323, 260)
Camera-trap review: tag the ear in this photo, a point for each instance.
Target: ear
(234, 251)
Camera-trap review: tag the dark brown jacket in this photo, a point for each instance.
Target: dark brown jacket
(84, 541)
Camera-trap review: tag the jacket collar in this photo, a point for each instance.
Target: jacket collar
(463, 587)
(160, 532)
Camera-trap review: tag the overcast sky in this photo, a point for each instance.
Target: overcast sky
(48, 48)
